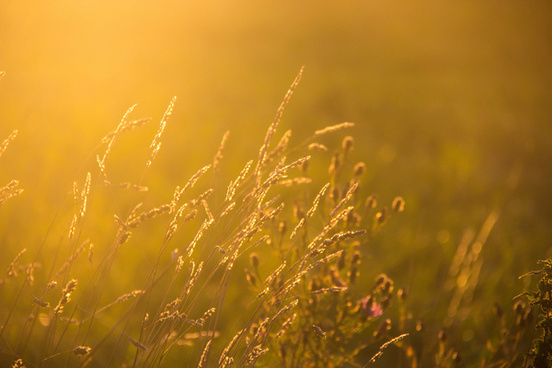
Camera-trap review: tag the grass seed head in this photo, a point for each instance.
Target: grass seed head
(348, 144)
(19, 362)
(8, 140)
(317, 147)
(359, 169)
(81, 350)
(333, 128)
(398, 205)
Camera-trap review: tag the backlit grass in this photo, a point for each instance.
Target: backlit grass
(281, 262)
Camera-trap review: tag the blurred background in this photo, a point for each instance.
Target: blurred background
(452, 103)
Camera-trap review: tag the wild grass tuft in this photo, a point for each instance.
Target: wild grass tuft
(269, 269)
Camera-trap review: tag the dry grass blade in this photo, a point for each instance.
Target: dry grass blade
(67, 264)
(219, 156)
(224, 358)
(297, 227)
(12, 268)
(7, 141)
(127, 127)
(347, 197)
(317, 147)
(156, 144)
(285, 326)
(191, 182)
(205, 354)
(110, 140)
(280, 147)
(9, 191)
(333, 128)
(384, 346)
(317, 200)
(274, 126)
(65, 296)
(231, 191)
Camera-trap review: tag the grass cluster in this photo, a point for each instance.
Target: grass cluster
(265, 269)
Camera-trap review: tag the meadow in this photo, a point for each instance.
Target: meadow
(381, 216)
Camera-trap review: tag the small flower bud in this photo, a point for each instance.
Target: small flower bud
(81, 350)
(348, 143)
(371, 202)
(383, 328)
(355, 259)
(319, 332)
(381, 216)
(336, 280)
(456, 357)
(519, 306)
(359, 169)
(335, 164)
(398, 204)
(388, 286)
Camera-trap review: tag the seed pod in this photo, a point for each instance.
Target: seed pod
(456, 357)
(371, 202)
(383, 328)
(81, 350)
(355, 259)
(254, 259)
(381, 216)
(398, 205)
(348, 143)
(380, 280)
(402, 293)
(359, 169)
(318, 331)
(519, 306)
(336, 280)
(335, 164)
(250, 278)
(388, 287)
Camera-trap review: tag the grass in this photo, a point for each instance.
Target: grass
(274, 264)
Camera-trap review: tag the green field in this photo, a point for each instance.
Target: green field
(452, 111)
